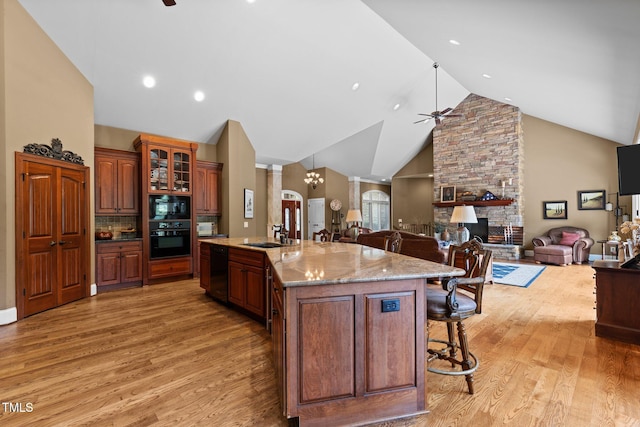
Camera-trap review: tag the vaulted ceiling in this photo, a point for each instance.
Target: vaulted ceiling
(286, 69)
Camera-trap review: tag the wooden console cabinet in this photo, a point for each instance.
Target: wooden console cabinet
(617, 302)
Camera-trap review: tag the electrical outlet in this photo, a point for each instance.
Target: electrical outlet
(390, 305)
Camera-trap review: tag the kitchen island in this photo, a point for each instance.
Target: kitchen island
(349, 328)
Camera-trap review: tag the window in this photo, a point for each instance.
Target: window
(375, 210)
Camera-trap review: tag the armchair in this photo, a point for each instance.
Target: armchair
(563, 245)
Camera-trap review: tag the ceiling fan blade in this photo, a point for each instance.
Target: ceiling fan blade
(422, 121)
(424, 114)
(446, 110)
(169, 2)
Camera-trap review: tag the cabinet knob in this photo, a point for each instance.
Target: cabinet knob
(52, 243)
(61, 242)
(274, 312)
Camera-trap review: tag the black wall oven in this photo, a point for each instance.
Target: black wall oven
(169, 238)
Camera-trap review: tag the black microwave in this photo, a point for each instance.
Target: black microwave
(169, 207)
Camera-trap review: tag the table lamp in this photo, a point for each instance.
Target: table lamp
(354, 216)
(461, 215)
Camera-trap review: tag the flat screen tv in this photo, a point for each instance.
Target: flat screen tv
(629, 169)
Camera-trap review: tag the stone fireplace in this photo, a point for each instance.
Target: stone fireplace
(477, 153)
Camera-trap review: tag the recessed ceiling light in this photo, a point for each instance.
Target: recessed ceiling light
(454, 42)
(486, 76)
(251, 1)
(198, 96)
(149, 81)
(506, 98)
(396, 107)
(355, 86)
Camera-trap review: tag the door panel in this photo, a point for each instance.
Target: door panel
(70, 242)
(316, 216)
(51, 237)
(40, 238)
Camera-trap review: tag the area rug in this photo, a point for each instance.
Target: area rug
(521, 275)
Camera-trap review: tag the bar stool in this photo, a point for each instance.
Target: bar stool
(449, 306)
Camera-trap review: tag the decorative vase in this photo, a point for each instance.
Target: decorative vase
(445, 235)
(614, 237)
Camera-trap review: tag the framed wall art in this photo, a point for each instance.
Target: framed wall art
(592, 199)
(248, 203)
(555, 209)
(448, 193)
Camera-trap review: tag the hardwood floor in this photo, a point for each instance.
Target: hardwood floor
(167, 355)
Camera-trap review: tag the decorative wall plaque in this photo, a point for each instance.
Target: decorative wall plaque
(54, 151)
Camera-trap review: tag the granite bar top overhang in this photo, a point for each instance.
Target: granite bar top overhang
(308, 263)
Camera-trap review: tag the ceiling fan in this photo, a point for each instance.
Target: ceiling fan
(169, 2)
(438, 115)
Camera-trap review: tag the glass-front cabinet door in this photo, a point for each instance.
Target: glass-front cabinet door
(159, 165)
(181, 171)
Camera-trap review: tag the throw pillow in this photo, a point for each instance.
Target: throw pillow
(568, 239)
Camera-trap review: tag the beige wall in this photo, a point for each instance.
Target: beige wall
(559, 162)
(235, 151)
(45, 97)
(412, 183)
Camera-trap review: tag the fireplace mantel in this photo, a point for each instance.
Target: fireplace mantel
(503, 202)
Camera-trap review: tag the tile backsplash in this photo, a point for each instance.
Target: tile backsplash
(117, 223)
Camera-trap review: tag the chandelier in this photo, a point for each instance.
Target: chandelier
(313, 177)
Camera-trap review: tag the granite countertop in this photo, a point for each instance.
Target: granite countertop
(308, 263)
(133, 239)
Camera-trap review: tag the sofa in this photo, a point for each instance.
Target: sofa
(563, 246)
(414, 245)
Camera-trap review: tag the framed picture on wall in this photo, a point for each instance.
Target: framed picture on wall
(248, 203)
(448, 193)
(592, 199)
(555, 209)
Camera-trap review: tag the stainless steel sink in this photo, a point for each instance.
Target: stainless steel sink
(264, 245)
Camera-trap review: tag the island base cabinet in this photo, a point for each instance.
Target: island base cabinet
(348, 358)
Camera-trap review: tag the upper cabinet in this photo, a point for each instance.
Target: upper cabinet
(207, 192)
(168, 164)
(117, 182)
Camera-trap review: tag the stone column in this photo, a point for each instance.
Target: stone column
(354, 192)
(274, 197)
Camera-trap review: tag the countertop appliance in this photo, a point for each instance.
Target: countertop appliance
(219, 273)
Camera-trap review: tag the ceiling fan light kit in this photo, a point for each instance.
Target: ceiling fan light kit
(169, 2)
(437, 114)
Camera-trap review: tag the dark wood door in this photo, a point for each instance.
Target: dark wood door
(52, 242)
(290, 213)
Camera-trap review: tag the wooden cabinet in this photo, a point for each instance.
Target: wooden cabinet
(207, 192)
(278, 336)
(168, 164)
(247, 282)
(617, 302)
(204, 251)
(343, 328)
(168, 168)
(118, 262)
(117, 182)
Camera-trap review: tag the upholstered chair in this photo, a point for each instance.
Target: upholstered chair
(562, 246)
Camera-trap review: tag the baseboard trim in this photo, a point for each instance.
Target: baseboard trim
(8, 315)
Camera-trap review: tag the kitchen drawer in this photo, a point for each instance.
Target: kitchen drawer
(118, 246)
(247, 257)
(169, 267)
